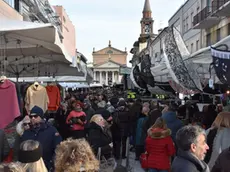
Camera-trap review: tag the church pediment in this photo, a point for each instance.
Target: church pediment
(108, 64)
(109, 50)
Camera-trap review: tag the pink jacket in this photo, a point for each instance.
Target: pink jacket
(76, 114)
(8, 103)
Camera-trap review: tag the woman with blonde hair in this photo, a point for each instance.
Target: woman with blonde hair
(218, 137)
(30, 154)
(99, 137)
(75, 156)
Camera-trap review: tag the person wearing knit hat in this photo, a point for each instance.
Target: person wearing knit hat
(44, 133)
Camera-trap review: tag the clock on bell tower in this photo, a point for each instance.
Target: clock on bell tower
(147, 21)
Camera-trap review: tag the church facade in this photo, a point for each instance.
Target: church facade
(107, 63)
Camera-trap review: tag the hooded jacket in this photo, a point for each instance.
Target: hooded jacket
(173, 123)
(159, 147)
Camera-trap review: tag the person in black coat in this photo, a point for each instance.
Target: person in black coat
(120, 129)
(98, 137)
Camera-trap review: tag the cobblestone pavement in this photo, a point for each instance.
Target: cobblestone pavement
(134, 166)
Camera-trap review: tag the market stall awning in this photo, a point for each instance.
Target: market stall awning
(20, 38)
(24, 46)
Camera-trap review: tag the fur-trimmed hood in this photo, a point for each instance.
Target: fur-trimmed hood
(158, 133)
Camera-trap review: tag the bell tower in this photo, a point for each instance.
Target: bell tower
(147, 21)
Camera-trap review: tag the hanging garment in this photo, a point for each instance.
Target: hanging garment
(221, 63)
(36, 96)
(54, 97)
(8, 103)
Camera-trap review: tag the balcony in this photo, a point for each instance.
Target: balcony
(221, 8)
(204, 19)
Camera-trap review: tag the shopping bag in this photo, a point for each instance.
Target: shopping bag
(144, 160)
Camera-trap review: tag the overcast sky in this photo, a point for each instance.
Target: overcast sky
(98, 21)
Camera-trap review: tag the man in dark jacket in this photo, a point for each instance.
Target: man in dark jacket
(223, 162)
(46, 134)
(120, 129)
(192, 145)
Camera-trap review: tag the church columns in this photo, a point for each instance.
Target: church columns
(100, 77)
(113, 77)
(106, 78)
(94, 76)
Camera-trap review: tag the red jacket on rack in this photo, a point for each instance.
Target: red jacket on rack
(159, 147)
(54, 97)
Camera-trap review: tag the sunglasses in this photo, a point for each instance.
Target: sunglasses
(33, 116)
(26, 124)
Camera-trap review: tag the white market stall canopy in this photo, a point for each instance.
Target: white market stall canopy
(51, 79)
(25, 46)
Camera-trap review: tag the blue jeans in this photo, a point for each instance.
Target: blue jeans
(155, 170)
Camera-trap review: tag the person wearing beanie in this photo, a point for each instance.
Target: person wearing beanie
(44, 133)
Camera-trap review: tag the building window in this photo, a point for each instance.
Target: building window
(208, 3)
(10, 2)
(187, 26)
(218, 35)
(208, 39)
(191, 47)
(197, 45)
(184, 25)
(192, 19)
(198, 9)
(64, 20)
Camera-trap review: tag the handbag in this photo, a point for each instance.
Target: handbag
(144, 160)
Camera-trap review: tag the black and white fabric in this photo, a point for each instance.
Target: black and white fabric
(136, 78)
(145, 70)
(221, 63)
(182, 71)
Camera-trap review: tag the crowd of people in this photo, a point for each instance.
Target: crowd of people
(90, 132)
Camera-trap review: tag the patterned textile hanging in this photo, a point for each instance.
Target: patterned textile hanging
(182, 71)
(136, 78)
(146, 74)
(221, 63)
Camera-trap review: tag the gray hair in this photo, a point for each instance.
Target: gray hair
(188, 135)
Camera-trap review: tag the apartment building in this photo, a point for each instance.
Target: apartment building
(213, 20)
(202, 22)
(67, 30)
(10, 9)
(41, 11)
(183, 21)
